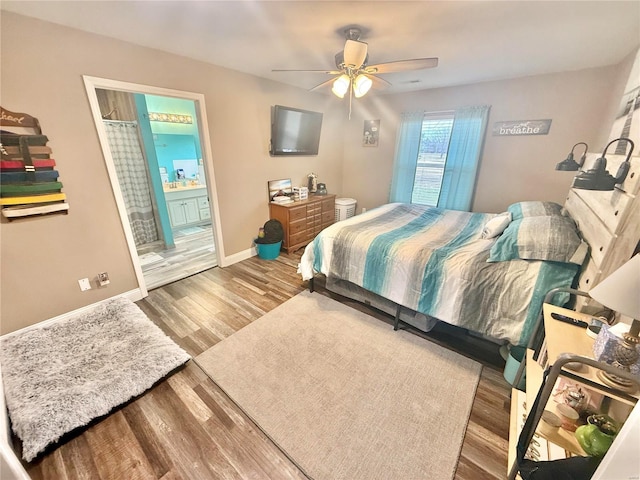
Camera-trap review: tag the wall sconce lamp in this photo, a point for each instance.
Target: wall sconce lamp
(598, 178)
(619, 292)
(569, 164)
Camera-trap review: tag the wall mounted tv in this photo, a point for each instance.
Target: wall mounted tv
(294, 131)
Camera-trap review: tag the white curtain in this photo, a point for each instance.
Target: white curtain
(465, 146)
(406, 160)
(132, 170)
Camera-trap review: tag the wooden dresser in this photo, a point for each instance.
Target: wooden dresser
(304, 219)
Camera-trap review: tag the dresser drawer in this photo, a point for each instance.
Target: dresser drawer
(328, 204)
(297, 227)
(328, 217)
(297, 213)
(314, 209)
(300, 237)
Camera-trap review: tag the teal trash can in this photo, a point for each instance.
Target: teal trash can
(268, 251)
(514, 359)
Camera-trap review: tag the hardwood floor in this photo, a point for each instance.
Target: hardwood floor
(185, 427)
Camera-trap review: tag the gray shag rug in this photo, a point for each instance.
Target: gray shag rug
(60, 377)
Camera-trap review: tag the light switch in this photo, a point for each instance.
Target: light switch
(84, 284)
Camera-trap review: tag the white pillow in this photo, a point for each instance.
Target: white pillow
(496, 225)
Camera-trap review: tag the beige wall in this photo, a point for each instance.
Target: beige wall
(42, 68)
(511, 168)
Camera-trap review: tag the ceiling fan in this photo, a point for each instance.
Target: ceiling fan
(355, 75)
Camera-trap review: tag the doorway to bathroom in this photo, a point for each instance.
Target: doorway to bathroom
(162, 177)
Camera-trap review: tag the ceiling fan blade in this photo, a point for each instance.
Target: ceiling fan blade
(323, 84)
(378, 82)
(355, 53)
(329, 72)
(403, 65)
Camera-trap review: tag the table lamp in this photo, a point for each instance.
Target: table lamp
(620, 291)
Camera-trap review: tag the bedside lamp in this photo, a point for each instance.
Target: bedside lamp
(620, 291)
(569, 164)
(598, 178)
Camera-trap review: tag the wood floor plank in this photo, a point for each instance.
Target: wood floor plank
(193, 453)
(204, 318)
(78, 459)
(482, 447)
(49, 467)
(230, 426)
(192, 401)
(153, 450)
(186, 428)
(116, 451)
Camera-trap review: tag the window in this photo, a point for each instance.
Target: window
(437, 157)
(432, 155)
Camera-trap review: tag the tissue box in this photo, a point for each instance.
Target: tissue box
(605, 344)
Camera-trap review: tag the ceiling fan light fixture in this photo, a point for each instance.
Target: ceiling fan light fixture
(341, 86)
(361, 85)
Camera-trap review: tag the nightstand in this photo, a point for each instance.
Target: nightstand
(564, 344)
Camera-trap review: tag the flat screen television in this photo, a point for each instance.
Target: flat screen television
(294, 131)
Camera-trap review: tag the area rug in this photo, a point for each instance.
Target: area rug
(60, 377)
(343, 395)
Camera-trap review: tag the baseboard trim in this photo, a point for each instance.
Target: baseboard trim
(133, 295)
(238, 257)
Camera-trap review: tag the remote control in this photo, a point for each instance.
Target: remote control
(570, 320)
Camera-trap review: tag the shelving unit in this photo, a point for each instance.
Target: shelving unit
(29, 183)
(564, 344)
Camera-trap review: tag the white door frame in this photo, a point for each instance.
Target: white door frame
(91, 83)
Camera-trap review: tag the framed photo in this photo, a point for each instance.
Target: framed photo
(280, 187)
(371, 133)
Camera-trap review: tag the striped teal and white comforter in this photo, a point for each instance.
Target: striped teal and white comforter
(434, 261)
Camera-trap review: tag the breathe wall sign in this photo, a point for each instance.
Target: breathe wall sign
(522, 127)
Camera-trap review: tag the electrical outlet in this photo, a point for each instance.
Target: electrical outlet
(103, 279)
(84, 284)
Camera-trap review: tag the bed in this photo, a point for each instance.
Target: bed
(436, 264)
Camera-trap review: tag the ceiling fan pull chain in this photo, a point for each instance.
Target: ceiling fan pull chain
(350, 97)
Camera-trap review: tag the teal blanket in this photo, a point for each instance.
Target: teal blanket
(434, 261)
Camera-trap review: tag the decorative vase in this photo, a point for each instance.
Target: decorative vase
(596, 437)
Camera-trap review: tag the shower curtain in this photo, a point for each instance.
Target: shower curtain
(132, 170)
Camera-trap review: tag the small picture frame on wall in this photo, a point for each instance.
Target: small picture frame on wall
(371, 133)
